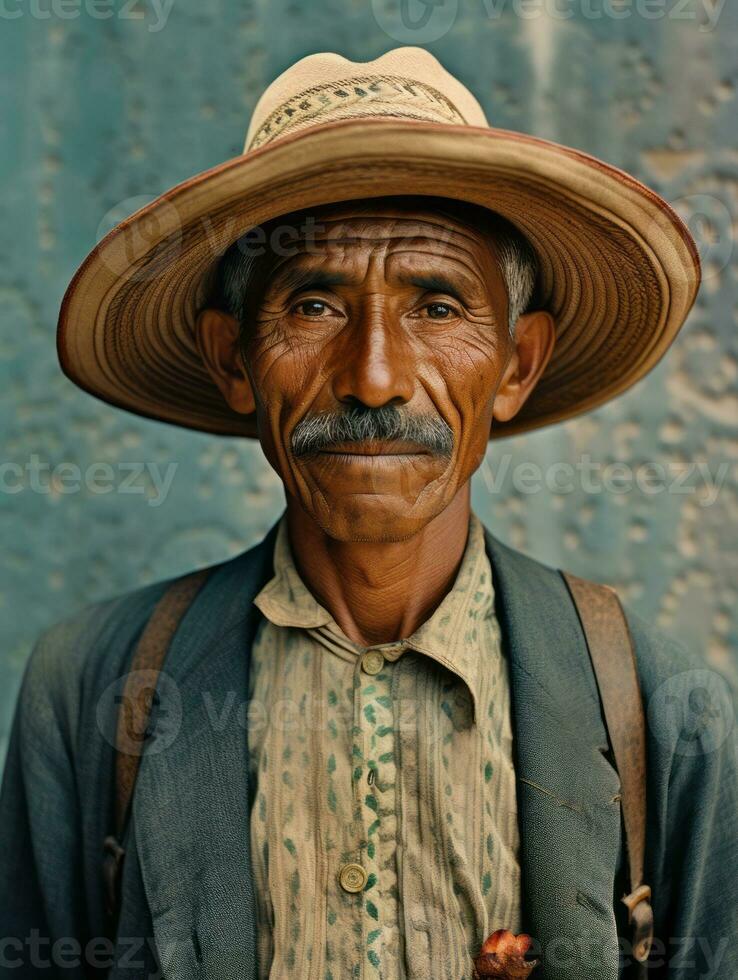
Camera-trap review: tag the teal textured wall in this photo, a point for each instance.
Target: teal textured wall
(106, 104)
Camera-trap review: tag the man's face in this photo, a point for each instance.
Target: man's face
(381, 309)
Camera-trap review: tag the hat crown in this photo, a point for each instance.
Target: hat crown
(405, 82)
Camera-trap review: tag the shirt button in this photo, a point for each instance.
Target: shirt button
(372, 662)
(352, 877)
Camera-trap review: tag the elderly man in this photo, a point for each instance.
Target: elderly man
(381, 735)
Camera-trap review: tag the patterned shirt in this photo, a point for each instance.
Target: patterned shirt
(384, 828)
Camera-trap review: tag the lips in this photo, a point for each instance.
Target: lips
(374, 448)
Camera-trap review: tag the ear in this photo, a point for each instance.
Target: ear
(533, 341)
(217, 336)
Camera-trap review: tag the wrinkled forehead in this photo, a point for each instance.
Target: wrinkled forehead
(418, 229)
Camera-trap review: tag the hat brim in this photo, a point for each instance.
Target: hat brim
(619, 269)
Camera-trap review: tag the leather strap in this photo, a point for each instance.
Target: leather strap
(613, 658)
(139, 693)
(139, 696)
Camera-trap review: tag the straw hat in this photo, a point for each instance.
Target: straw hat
(619, 270)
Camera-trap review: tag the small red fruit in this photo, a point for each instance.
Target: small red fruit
(503, 956)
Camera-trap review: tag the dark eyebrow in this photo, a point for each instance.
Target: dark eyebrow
(434, 283)
(295, 279)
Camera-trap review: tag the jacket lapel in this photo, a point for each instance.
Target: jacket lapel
(568, 804)
(191, 807)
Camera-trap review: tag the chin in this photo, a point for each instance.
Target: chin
(374, 518)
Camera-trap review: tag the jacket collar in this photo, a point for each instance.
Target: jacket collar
(191, 807)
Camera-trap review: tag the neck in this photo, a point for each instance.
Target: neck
(365, 585)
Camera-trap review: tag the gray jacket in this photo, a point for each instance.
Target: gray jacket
(188, 906)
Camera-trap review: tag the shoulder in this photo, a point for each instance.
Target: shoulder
(70, 655)
(75, 659)
(659, 655)
(689, 703)
(692, 756)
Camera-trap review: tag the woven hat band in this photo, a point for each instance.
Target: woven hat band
(360, 96)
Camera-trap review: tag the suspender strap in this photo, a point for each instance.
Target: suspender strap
(139, 696)
(611, 650)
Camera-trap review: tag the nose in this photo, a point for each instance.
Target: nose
(376, 362)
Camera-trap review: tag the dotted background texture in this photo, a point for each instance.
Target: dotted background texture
(107, 103)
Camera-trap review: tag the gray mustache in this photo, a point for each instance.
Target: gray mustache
(322, 430)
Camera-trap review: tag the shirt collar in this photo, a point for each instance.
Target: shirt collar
(451, 636)
(286, 600)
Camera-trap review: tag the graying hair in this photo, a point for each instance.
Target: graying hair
(519, 269)
(243, 273)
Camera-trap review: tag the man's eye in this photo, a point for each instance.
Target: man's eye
(440, 311)
(312, 307)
